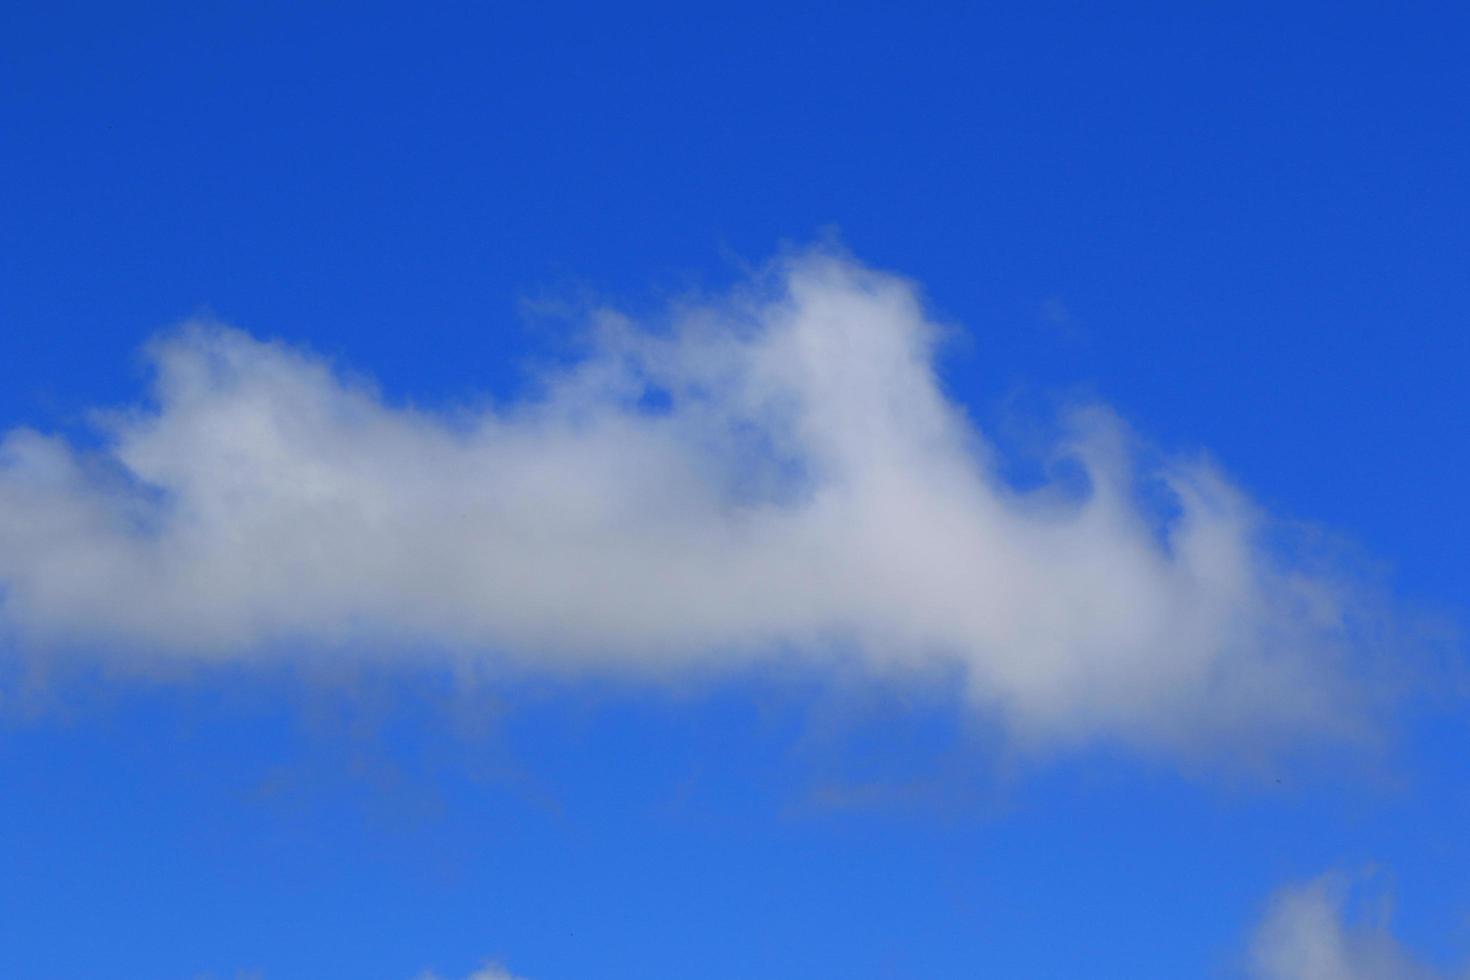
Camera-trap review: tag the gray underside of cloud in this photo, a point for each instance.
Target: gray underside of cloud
(773, 476)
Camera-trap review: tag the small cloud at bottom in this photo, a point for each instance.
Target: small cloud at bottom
(1334, 927)
(489, 971)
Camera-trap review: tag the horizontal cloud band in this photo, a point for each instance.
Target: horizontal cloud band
(777, 474)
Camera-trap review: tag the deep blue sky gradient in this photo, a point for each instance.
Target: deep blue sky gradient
(1247, 228)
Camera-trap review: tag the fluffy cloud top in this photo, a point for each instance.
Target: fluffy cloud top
(774, 475)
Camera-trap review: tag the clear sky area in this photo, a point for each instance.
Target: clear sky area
(574, 492)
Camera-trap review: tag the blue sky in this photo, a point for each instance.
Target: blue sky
(758, 491)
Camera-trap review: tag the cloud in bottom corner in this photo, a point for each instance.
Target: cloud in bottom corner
(1334, 927)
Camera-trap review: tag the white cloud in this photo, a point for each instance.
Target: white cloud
(1308, 934)
(777, 475)
(490, 971)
